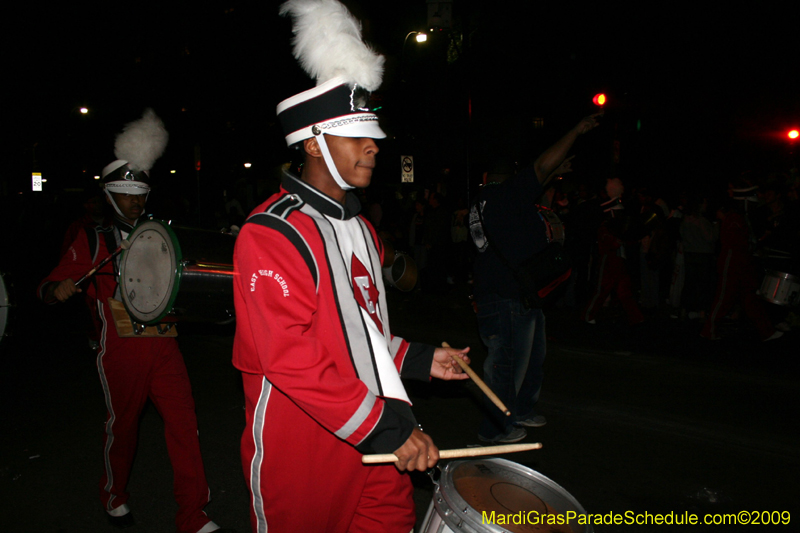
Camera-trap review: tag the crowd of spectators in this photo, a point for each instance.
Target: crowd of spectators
(669, 243)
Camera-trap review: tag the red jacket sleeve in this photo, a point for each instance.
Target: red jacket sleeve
(74, 263)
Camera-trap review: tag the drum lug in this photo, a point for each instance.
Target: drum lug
(435, 474)
(164, 328)
(138, 329)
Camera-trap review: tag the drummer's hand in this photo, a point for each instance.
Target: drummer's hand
(65, 289)
(418, 453)
(444, 367)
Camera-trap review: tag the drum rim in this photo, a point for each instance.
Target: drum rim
(781, 274)
(446, 497)
(178, 272)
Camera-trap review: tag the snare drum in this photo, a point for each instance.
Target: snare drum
(554, 228)
(780, 288)
(469, 493)
(172, 273)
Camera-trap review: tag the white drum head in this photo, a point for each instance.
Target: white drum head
(149, 273)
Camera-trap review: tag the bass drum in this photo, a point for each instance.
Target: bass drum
(402, 272)
(469, 493)
(172, 273)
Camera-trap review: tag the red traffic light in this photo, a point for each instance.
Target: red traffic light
(793, 134)
(599, 99)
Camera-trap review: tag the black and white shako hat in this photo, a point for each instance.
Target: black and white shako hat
(327, 43)
(137, 148)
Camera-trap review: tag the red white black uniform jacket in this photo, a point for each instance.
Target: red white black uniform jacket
(312, 317)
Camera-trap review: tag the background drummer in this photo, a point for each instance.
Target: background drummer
(737, 280)
(134, 369)
(320, 367)
(513, 331)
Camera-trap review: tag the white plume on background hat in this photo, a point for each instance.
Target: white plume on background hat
(327, 43)
(140, 143)
(137, 147)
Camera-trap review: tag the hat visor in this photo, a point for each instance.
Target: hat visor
(358, 129)
(355, 125)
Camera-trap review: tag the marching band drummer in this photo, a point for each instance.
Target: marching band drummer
(134, 369)
(320, 367)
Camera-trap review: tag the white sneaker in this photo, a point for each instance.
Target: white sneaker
(776, 335)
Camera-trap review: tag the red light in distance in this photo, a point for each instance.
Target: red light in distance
(599, 99)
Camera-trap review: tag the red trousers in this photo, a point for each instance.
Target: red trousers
(131, 371)
(612, 275)
(302, 478)
(737, 283)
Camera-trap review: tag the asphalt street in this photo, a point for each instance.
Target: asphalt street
(646, 420)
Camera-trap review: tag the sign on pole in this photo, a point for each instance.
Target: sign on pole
(407, 168)
(37, 181)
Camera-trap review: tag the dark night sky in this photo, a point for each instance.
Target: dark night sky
(713, 89)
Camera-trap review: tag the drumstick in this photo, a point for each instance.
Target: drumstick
(458, 452)
(124, 245)
(479, 382)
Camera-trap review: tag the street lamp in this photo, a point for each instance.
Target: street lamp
(421, 37)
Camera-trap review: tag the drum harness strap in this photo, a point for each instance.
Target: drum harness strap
(92, 236)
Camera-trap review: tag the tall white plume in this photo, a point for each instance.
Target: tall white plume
(142, 141)
(327, 43)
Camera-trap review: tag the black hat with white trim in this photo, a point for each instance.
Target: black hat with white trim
(328, 45)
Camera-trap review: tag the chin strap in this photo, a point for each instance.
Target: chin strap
(114, 204)
(326, 156)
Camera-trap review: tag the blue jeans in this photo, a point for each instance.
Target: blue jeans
(515, 336)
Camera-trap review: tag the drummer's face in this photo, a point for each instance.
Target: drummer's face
(354, 158)
(131, 205)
